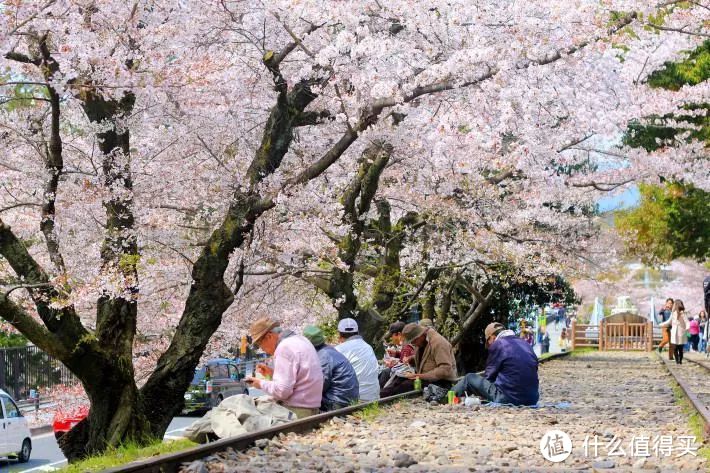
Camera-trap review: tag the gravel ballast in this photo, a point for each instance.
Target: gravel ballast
(614, 396)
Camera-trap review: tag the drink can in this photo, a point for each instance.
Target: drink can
(450, 396)
(417, 384)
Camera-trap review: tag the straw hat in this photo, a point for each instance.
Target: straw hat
(260, 328)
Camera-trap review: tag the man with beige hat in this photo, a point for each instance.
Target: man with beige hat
(297, 377)
(434, 359)
(511, 370)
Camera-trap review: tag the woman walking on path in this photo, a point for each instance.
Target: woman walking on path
(565, 343)
(678, 323)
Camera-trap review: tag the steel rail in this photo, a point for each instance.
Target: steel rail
(696, 403)
(170, 463)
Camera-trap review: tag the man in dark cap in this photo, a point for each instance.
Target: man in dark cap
(392, 380)
(434, 359)
(404, 351)
(511, 370)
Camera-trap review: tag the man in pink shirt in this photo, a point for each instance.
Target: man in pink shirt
(297, 376)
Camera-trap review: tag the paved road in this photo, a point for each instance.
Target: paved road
(46, 455)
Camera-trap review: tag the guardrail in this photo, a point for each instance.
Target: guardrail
(29, 405)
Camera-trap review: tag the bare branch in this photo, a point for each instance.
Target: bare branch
(62, 321)
(603, 186)
(31, 17)
(211, 153)
(500, 177)
(54, 161)
(19, 57)
(20, 204)
(297, 42)
(472, 316)
(29, 327)
(574, 143)
(679, 30)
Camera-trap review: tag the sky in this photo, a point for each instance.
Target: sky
(628, 198)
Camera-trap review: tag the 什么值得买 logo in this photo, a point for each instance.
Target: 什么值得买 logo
(555, 446)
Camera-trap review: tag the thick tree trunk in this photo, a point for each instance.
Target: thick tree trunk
(210, 297)
(117, 416)
(356, 201)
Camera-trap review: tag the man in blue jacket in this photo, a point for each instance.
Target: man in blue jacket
(511, 370)
(340, 386)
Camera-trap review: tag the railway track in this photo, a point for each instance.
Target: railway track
(171, 463)
(693, 377)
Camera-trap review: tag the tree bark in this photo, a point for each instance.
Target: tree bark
(209, 296)
(106, 367)
(356, 200)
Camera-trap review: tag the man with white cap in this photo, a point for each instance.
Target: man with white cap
(297, 376)
(362, 358)
(511, 370)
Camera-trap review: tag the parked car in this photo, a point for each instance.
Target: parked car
(15, 441)
(215, 380)
(64, 421)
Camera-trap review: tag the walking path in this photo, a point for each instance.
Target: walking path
(615, 399)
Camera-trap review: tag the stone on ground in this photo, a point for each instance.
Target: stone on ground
(615, 398)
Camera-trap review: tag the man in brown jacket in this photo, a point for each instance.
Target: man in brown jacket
(435, 362)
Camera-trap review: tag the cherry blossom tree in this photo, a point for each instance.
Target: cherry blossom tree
(161, 156)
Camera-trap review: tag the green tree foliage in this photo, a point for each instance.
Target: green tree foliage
(672, 221)
(11, 340)
(692, 122)
(673, 217)
(691, 71)
(512, 301)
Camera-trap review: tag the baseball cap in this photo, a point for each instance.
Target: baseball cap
(314, 335)
(492, 328)
(347, 326)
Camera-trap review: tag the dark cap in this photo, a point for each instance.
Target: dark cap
(396, 327)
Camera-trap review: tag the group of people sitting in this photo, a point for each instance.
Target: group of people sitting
(309, 376)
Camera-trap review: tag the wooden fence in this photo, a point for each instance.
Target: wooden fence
(614, 336)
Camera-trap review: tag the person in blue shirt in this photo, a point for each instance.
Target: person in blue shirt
(340, 385)
(511, 370)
